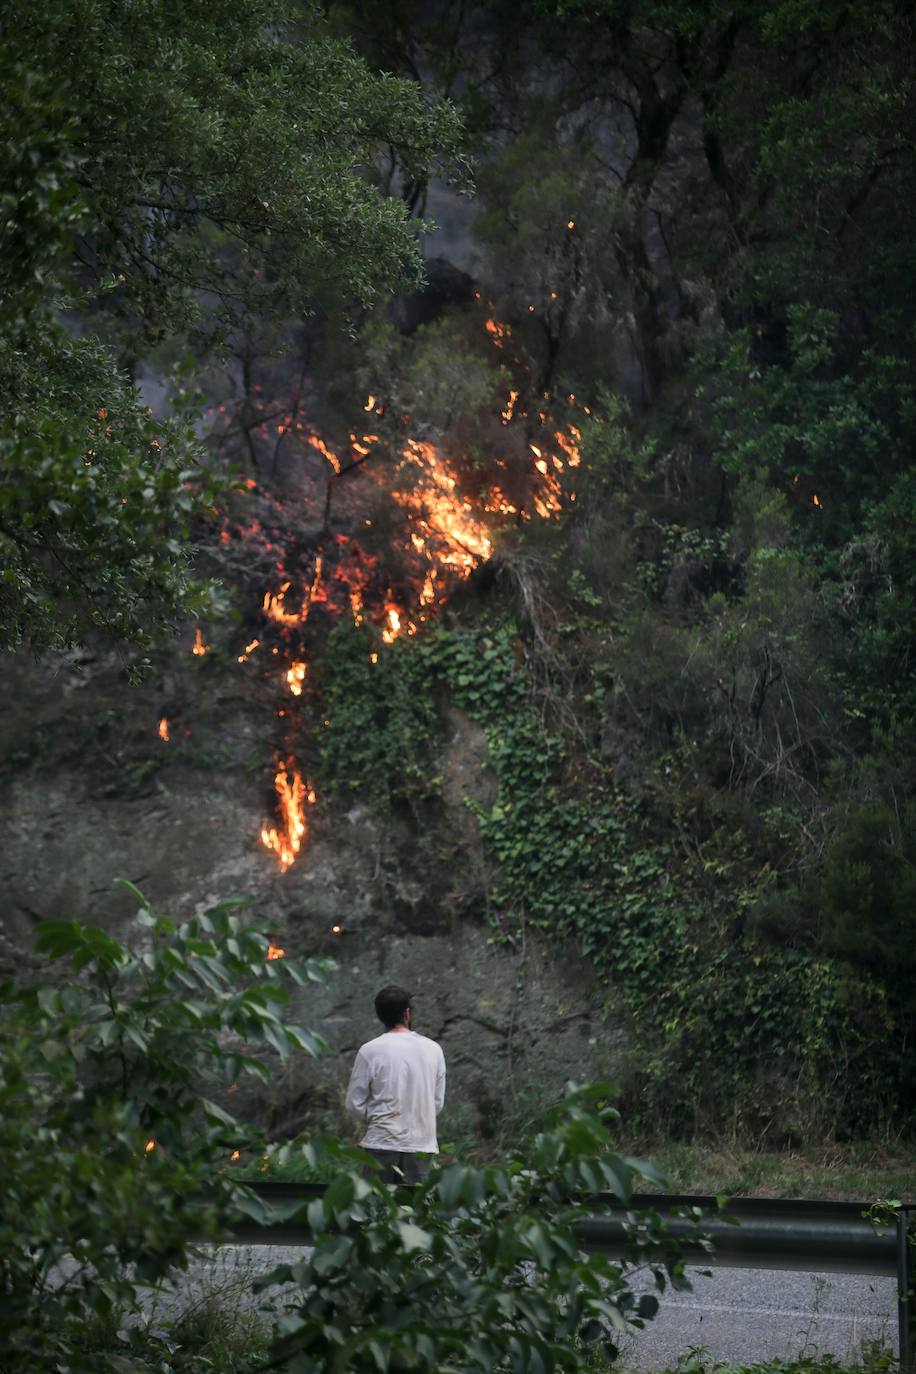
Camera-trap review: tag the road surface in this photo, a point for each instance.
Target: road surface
(740, 1316)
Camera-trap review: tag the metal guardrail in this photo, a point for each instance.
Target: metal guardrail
(817, 1237)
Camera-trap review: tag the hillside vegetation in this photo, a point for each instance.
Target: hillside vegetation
(634, 493)
(697, 682)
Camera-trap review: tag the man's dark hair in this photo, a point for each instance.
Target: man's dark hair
(391, 1005)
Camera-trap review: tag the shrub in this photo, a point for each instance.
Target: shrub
(106, 1137)
(477, 1270)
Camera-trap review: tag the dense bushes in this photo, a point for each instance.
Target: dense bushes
(116, 1167)
(671, 893)
(107, 1140)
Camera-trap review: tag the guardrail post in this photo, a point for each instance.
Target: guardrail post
(905, 1280)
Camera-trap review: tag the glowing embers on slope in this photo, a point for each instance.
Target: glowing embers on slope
(292, 797)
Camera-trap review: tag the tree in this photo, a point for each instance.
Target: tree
(166, 174)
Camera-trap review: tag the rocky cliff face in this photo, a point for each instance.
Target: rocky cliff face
(89, 792)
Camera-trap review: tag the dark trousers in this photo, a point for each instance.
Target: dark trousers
(401, 1168)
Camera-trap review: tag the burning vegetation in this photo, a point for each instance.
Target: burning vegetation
(403, 520)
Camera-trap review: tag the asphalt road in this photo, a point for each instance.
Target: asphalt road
(741, 1316)
(751, 1315)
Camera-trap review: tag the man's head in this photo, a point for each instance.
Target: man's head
(392, 1006)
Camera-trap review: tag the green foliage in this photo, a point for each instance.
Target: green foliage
(477, 1269)
(731, 1028)
(96, 501)
(211, 140)
(811, 422)
(40, 205)
(378, 716)
(868, 892)
(435, 376)
(106, 1135)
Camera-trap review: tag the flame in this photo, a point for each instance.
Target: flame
(569, 444)
(510, 407)
(249, 649)
(274, 608)
(236, 1154)
(336, 930)
(164, 729)
(370, 403)
(200, 648)
(296, 676)
(150, 1146)
(817, 501)
(287, 841)
(322, 448)
(446, 529)
(498, 332)
(570, 224)
(392, 625)
(275, 952)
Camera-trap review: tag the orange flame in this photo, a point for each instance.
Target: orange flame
(392, 625)
(274, 608)
(287, 841)
(296, 676)
(150, 1146)
(275, 952)
(568, 443)
(164, 729)
(200, 648)
(325, 452)
(498, 332)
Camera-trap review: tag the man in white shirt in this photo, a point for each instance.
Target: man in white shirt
(397, 1089)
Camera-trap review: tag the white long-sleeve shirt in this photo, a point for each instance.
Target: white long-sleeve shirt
(397, 1088)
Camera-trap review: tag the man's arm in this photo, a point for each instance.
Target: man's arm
(440, 1083)
(358, 1091)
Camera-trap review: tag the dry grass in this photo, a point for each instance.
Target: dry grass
(854, 1172)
